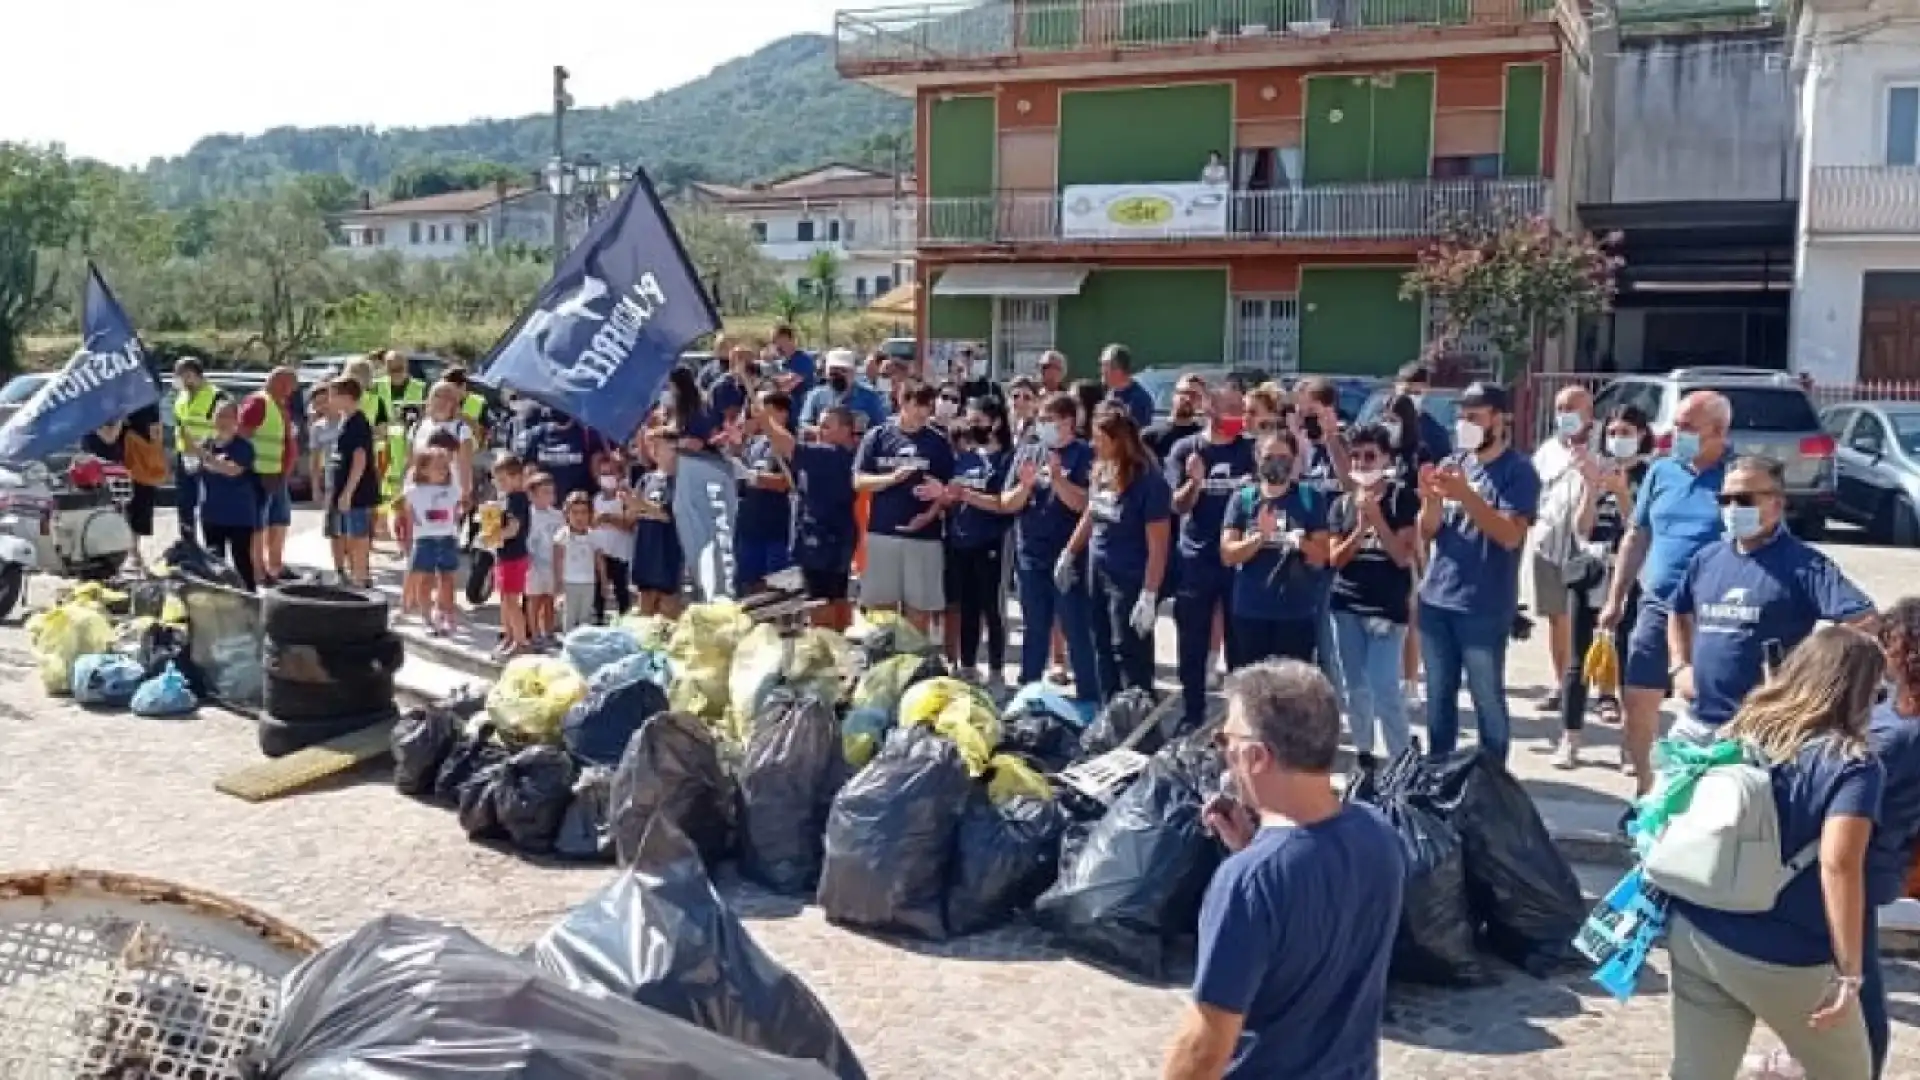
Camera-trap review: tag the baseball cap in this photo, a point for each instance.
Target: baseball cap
(840, 358)
(1485, 395)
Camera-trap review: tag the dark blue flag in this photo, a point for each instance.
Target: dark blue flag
(106, 380)
(602, 336)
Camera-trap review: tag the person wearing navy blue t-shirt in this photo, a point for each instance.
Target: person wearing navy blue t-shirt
(905, 464)
(1275, 538)
(1676, 512)
(1323, 469)
(762, 530)
(229, 493)
(824, 533)
(1475, 509)
(1760, 590)
(1798, 967)
(1206, 471)
(1116, 371)
(1297, 926)
(1047, 488)
(1893, 734)
(1125, 534)
(976, 536)
(564, 449)
(796, 364)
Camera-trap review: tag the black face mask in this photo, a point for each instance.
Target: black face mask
(980, 433)
(1311, 425)
(1275, 470)
(839, 382)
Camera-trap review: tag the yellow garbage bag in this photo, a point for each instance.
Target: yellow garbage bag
(957, 712)
(882, 685)
(95, 594)
(815, 661)
(532, 698)
(62, 634)
(651, 631)
(1013, 778)
(701, 647)
(906, 639)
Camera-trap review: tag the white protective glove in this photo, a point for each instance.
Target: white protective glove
(1145, 611)
(1064, 572)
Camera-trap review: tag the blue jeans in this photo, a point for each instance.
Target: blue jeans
(1873, 993)
(1452, 643)
(1369, 655)
(1204, 589)
(1040, 606)
(1326, 649)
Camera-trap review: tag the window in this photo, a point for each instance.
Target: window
(847, 232)
(833, 230)
(882, 285)
(1467, 167)
(1903, 125)
(1471, 348)
(473, 232)
(413, 232)
(1869, 436)
(1767, 409)
(803, 232)
(1833, 421)
(1266, 332)
(759, 231)
(860, 289)
(1023, 329)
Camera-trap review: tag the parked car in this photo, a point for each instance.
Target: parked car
(1160, 381)
(1442, 403)
(1772, 415)
(1878, 451)
(18, 391)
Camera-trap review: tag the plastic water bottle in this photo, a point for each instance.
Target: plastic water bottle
(1773, 1065)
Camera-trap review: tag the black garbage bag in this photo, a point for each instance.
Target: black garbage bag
(476, 806)
(1041, 736)
(406, 999)
(793, 767)
(1004, 858)
(1518, 883)
(890, 837)
(531, 796)
(470, 754)
(1435, 942)
(1118, 719)
(598, 728)
(422, 739)
(187, 558)
(660, 936)
(671, 769)
(587, 830)
(159, 644)
(1138, 880)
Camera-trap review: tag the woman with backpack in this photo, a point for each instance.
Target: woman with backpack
(1800, 966)
(1894, 736)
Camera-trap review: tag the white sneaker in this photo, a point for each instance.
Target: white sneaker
(1567, 754)
(1215, 680)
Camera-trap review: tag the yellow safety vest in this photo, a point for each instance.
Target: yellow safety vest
(270, 440)
(474, 407)
(415, 393)
(193, 417)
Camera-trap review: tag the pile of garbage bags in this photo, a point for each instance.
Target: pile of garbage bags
(654, 976)
(1483, 870)
(85, 647)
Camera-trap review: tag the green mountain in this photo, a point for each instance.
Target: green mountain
(783, 108)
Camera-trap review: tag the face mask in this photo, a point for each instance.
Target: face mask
(1468, 435)
(1368, 477)
(1230, 427)
(1276, 471)
(608, 483)
(1392, 428)
(946, 410)
(1623, 446)
(839, 382)
(981, 433)
(1047, 432)
(1742, 522)
(1567, 424)
(1686, 445)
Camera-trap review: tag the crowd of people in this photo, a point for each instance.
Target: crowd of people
(1367, 571)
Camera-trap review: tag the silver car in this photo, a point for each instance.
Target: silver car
(1879, 463)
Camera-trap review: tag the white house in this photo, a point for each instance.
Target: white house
(1856, 315)
(862, 215)
(443, 226)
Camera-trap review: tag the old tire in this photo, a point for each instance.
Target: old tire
(13, 585)
(310, 703)
(1903, 526)
(324, 615)
(279, 738)
(323, 664)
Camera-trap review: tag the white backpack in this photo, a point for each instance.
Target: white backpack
(1723, 851)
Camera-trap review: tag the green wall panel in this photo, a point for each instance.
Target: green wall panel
(1403, 127)
(1353, 322)
(1339, 129)
(1523, 124)
(960, 147)
(1143, 135)
(960, 317)
(1161, 316)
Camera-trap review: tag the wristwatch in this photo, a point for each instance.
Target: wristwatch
(1678, 668)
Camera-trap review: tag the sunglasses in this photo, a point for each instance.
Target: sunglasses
(1745, 498)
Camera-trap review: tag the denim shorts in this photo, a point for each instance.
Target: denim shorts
(435, 555)
(276, 506)
(354, 524)
(1646, 665)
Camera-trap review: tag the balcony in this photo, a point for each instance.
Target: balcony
(1172, 213)
(957, 35)
(1865, 199)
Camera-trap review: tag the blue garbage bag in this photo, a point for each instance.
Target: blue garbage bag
(597, 729)
(590, 648)
(1045, 697)
(646, 664)
(166, 694)
(106, 678)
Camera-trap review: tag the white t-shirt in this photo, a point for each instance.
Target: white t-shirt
(544, 522)
(427, 428)
(578, 552)
(435, 510)
(614, 543)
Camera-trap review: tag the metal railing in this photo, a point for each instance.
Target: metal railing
(1001, 29)
(1387, 210)
(1864, 199)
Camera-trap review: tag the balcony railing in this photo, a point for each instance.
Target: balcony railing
(1395, 210)
(1865, 199)
(960, 30)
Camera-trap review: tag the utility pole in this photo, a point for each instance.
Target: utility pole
(562, 101)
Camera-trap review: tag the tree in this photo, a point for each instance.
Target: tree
(441, 177)
(37, 193)
(823, 269)
(1513, 283)
(330, 193)
(726, 257)
(272, 253)
(786, 304)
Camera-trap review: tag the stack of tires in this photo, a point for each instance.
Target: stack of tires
(330, 662)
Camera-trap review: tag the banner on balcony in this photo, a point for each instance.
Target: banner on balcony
(1127, 211)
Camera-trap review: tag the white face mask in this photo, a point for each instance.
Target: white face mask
(1047, 432)
(1468, 436)
(945, 410)
(1568, 424)
(1623, 446)
(1368, 478)
(608, 483)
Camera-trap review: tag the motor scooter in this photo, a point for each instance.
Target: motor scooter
(71, 527)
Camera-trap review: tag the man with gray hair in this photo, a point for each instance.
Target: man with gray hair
(1298, 924)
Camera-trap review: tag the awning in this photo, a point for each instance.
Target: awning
(1010, 280)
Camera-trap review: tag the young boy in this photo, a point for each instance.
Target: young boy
(543, 585)
(576, 557)
(511, 559)
(323, 430)
(355, 486)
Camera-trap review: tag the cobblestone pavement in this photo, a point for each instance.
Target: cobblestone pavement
(113, 791)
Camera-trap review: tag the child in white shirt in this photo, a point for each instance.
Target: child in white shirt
(433, 512)
(543, 584)
(613, 531)
(576, 557)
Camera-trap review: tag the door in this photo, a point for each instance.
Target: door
(1862, 473)
(1339, 129)
(1266, 333)
(1402, 125)
(1889, 340)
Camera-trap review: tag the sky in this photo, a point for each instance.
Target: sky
(127, 80)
